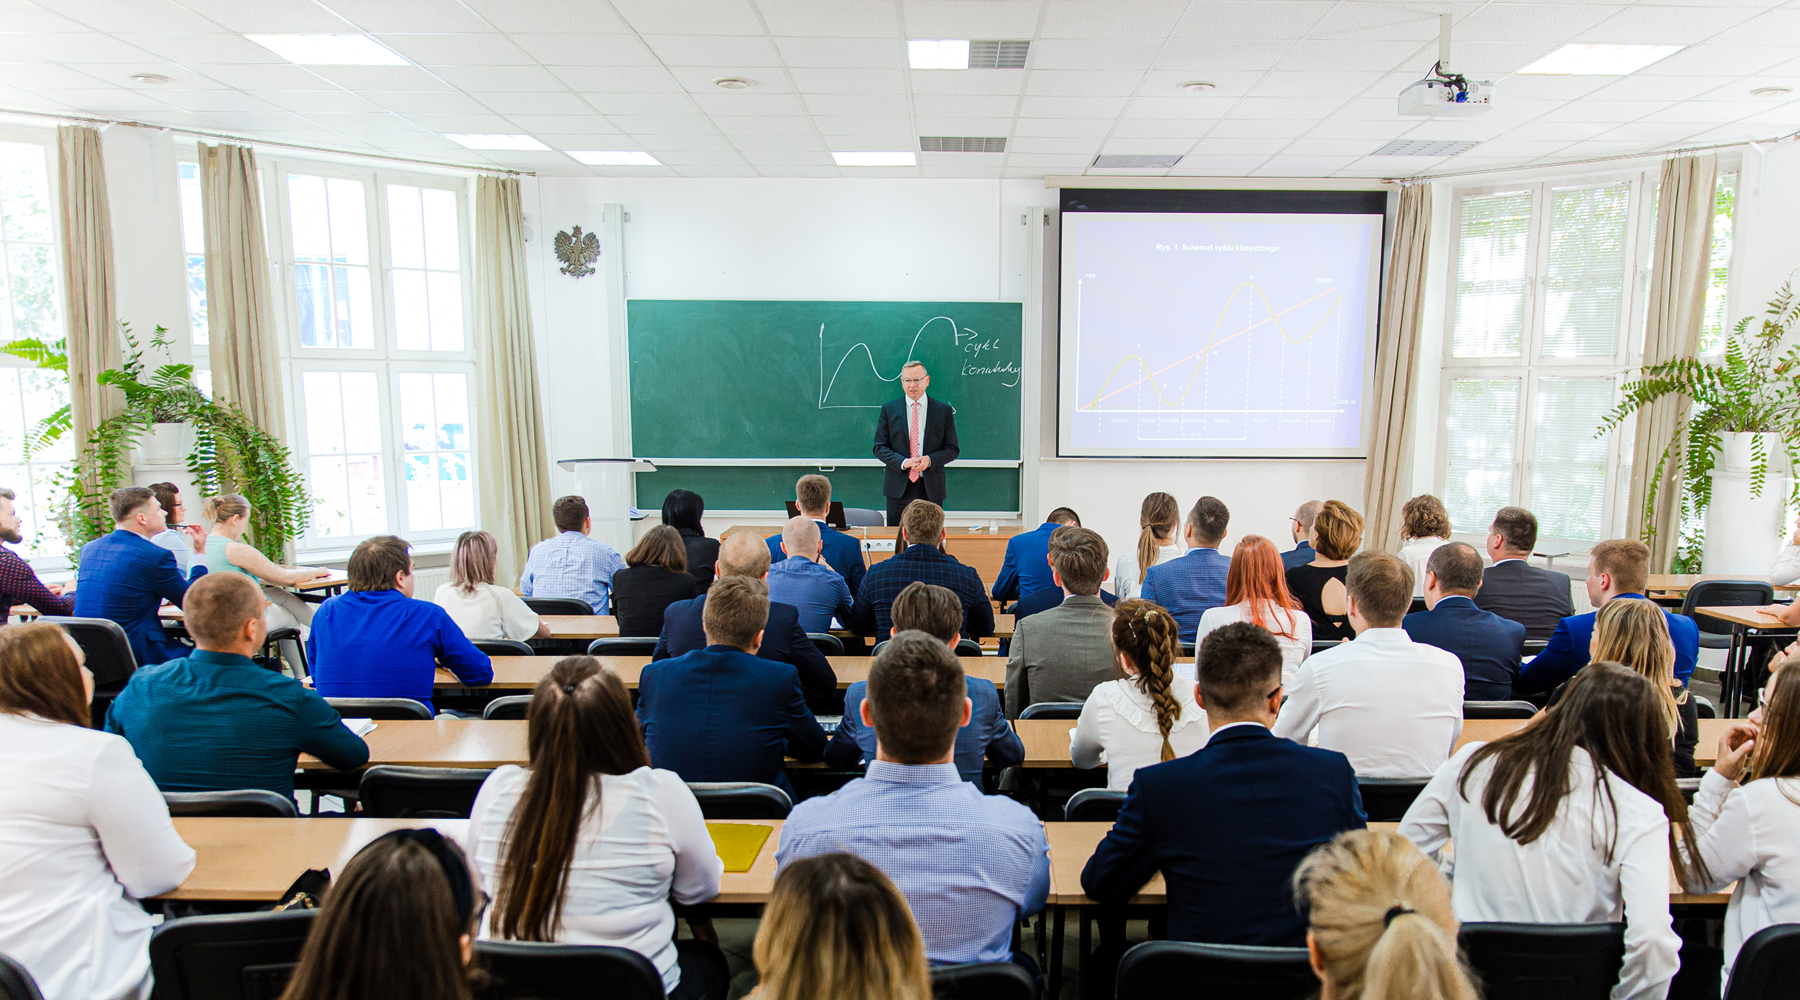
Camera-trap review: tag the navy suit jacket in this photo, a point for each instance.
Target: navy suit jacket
(1488, 645)
(893, 445)
(125, 578)
(1026, 568)
(720, 714)
(1568, 650)
(928, 564)
(784, 641)
(1299, 555)
(842, 553)
(1226, 825)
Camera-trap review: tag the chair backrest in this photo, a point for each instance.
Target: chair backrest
(237, 802)
(1386, 800)
(512, 706)
(1417, 606)
(982, 981)
(566, 972)
(740, 800)
(1724, 594)
(1498, 710)
(1533, 647)
(504, 647)
(863, 517)
(16, 983)
(968, 647)
(623, 646)
(380, 708)
(1544, 961)
(228, 956)
(1767, 966)
(878, 647)
(1321, 645)
(828, 644)
(559, 606)
(420, 792)
(1052, 710)
(1156, 970)
(1190, 649)
(108, 652)
(1703, 707)
(1093, 805)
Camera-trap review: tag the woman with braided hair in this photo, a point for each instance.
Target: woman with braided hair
(1149, 714)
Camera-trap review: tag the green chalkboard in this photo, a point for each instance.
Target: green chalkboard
(767, 487)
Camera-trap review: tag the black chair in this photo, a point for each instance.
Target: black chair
(1703, 707)
(1716, 634)
(1052, 710)
(16, 983)
(271, 647)
(1767, 966)
(566, 972)
(380, 708)
(108, 652)
(968, 647)
(864, 517)
(828, 644)
(1321, 645)
(1156, 970)
(1537, 961)
(983, 981)
(228, 956)
(391, 792)
(558, 606)
(503, 647)
(1387, 799)
(1417, 606)
(1498, 710)
(740, 800)
(623, 646)
(1533, 647)
(1093, 805)
(237, 802)
(512, 706)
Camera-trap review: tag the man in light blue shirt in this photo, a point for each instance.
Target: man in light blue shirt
(1192, 584)
(572, 564)
(804, 580)
(969, 864)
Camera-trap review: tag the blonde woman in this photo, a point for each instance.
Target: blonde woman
(1636, 633)
(1159, 540)
(836, 927)
(478, 607)
(227, 552)
(1150, 714)
(1424, 525)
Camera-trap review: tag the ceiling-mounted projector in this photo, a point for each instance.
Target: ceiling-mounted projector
(1443, 92)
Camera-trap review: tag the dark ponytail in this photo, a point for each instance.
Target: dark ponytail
(1147, 635)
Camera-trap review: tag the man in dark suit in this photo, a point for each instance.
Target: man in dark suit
(915, 438)
(125, 577)
(1488, 645)
(721, 713)
(1026, 568)
(783, 638)
(1300, 527)
(1513, 588)
(924, 561)
(1227, 824)
(843, 552)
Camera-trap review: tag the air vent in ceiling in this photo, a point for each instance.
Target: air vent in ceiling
(962, 144)
(989, 53)
(1421, 147)
(1155, 161)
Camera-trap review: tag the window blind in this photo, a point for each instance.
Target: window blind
(1586, 271)
(1492, 265)
(1568, 462)
(1480, 450)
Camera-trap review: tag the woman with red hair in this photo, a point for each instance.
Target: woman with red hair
(1256, 592)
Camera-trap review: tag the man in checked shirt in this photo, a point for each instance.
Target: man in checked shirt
(18, 583)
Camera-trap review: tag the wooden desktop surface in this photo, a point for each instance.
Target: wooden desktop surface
(1680, 583)
(979, 548)
(1749, 617)
(522, 673)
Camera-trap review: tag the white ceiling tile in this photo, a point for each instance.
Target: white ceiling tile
(975, 83)
(75, 46)
(1189, 106)
(466, 49)
(699, 79)
(1193, 166)
(744, 102)
(772, 144)
(1781, 114)
(1385, 22)
(260, 121)
(1601, 111)
(1251, 19)
(334, 101)
(1758, 30)
(1308, 163)
(1142, 146)
(790, 158)
(1071, 107)
(269, 76)
(499, 78)
(1111, 18)
(1561, 131)
(702, 171)
(670, 17)
(1651, 132)
(413, 141)
(476, 124)
(872, 80)
(1212, 146)
(208, 101)
(841, 18)
(45, 76)
(1251, 128)
(1504, 110)
(180, 119)
(959, 169)
(941, 105)
(541, 103)
(1522, 148)
(774, 171)
(891, 126)
(657, 142)
(1459, 129)
(1715, 60)
(1167, 128)
(427, 103)
(1064, 127)
(103, 99)
(376, 16)
(1527, 22)
(1350, 128)
(1330, 147)
(856, 104)
(774, 125)
(841, 52)
(270, 17)
(714, 50)
(1553, 88)
(549, 16)
(962, 126)
(1094, 53)
(1314, 55)
(581, 49)
(664, 124)
(375, 121)
(591, 139)
(21, 15)
(137, 15)
(1064, 146)
(701, 158)
(618, 79)
(564, 124)
(366, 78)
(962, 19)
(1082, 83)
(1266, 108)
(961, 159)
(308, 137)
(1667, 25)
(1484, 60)
(1052, 161)
(1287, 83)
(1639, 87)
(1202, 56)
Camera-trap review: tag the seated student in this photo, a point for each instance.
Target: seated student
(1787, 562)
(1570, 820)
(84, 833)
(187, 541)
(836, 927)
(1319, 584)
(571, 564)
(1062, 653)
(655, 576)
(1150, 713)
(682, 510)
(590, 844)
(214, 720)
(1227, 824)
(1618, 569)
(783, 637)
(843, 552)
(924, 560)
(1300, 528)
(1488, 645)
(1513, 588)
(986, 738)
(1026, 567)
(723, 713)
(1158, 541)
(19, 583)
(1635, 634)
(1392, 705)
(398, 922)
(1190, 585)
(377, 642)
(1044, 600)
(227, 552)
(1424, 525)
(1256, 592)
(970, 864)
(125, 578)
(803, 579)
(479, 606)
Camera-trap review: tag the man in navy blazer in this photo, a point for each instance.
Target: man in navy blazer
(722, 713)
(1026, 567)
(1300, 528)
(1227, 824)
(812, 494)
(124, 577)
(1618, 569)
(1488, 645)
(915, 474)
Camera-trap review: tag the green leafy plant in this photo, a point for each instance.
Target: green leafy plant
(1754, 389)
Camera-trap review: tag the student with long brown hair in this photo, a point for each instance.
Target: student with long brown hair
(1636, 633)
(1256, 592)
(1573, 819)
(837, 927)
(589, 844)
(1150, 714)
(1158, 541)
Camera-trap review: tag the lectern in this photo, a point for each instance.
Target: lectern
(607, 486)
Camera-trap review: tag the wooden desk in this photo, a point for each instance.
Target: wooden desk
(331, 582)
(1744, 621)
(583, 627)
(1680, 583)
(976, 547)
(519, 674)
(484, 743)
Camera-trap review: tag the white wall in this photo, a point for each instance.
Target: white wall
(1765, 253)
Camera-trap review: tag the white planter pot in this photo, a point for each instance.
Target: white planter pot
(1744, 533)
(164, 445)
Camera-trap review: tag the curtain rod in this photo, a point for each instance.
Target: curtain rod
(225, 137)
(1424, 178)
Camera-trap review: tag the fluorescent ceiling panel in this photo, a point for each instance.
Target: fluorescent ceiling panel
(875, 159)
(490, 140)
(937, 53)
(1424, 147)
(614, 157)
(330, 50)
(1590, 59)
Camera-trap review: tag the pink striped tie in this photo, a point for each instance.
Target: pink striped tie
(913, 476)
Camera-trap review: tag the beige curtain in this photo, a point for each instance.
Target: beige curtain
(515, 458)
(1680, 259)
(240, 321)
(90, 294)
(1394, 423)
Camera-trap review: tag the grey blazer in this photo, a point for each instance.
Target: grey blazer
(1060, 654)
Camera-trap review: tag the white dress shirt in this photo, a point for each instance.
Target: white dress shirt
(1118, 729)
(1295, 647)
(1125, 582)
(489, 613)
(1751, 835)
(1392, 705)
(646, 838)
(1589, 866)
(1787, 566)
(83, 834)
(1417, 552)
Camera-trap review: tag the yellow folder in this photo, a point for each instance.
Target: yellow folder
(738, 844)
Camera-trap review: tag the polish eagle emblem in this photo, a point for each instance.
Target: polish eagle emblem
(577, 252)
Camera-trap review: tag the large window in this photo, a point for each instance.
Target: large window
(193, 245)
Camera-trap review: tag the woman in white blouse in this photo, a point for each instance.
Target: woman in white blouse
(1159, 540)
(1587, 839)
(638, 836)
(480, 608)
(1424, 525)
(1150, 713)
(84, 834)
(1256, 592)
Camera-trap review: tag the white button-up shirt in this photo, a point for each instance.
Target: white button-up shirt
(1392, 705)
(1750, 834)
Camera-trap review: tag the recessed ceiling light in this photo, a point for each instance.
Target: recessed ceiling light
(330, 50)
(153, 79)
(937, 53)
(733, 83)
(1198, 86)
(469, 140)
(1771, 91)
(875, 159)
(613, 157)
(1584, 59)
